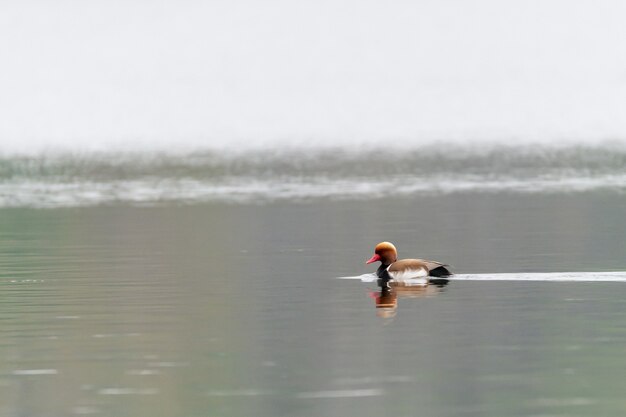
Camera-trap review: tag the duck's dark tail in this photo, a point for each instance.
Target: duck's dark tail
(440, 272)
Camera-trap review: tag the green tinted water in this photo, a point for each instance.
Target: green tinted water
(222, 310)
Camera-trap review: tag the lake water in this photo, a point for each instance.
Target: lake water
(218, 305)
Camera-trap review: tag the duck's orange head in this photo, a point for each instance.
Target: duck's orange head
(384, 252)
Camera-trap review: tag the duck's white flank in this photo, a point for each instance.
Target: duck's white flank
(408, 274)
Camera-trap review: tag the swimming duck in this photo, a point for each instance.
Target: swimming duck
(405, 269)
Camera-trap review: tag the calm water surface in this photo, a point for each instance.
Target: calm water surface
(234, 310)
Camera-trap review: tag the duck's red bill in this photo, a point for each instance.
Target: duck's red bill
(374, 258)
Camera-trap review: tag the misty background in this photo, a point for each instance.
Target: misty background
(169, 248)
(93, 75)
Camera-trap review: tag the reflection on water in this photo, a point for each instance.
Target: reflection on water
(386, 298)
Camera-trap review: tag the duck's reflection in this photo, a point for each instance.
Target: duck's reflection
(387, 297)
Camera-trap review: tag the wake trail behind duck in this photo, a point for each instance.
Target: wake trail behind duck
(611, 276)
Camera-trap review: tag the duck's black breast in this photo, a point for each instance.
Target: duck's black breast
(381, 272)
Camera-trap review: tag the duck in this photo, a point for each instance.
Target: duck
(416, 270)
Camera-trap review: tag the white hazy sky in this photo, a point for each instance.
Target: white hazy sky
(100, 73)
